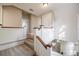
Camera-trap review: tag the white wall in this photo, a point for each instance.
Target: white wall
(65, 20)
(47, 35)
(41, 50)
(10, 35)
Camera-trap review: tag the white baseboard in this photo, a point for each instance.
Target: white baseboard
(6, 46)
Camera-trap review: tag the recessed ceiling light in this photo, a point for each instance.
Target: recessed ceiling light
(45, 4)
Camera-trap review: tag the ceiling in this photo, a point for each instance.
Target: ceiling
(38, 8)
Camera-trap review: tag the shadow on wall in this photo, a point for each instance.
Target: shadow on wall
(62, 32)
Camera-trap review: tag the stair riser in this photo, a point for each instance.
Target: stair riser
(31, 46)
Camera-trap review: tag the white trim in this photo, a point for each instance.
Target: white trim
(9, 45)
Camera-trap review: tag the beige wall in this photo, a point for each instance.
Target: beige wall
(12, 17)
(14, 34)
(47, 19)
(0, 14)
(44, 19)
(33, 22)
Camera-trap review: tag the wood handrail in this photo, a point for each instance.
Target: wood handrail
(45, 45)
(10, 27)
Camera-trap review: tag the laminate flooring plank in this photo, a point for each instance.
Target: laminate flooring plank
(21, 50)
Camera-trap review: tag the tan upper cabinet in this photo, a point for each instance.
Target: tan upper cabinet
(0, 14)
(47, 19)
(12, 17)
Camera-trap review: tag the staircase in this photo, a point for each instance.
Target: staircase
(30, 43)
(20, 50)
(30, 40)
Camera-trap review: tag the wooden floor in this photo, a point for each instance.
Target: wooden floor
(21, 50)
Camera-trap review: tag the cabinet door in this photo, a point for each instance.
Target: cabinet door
(12, 17)
(0, 14)
(47, 19)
